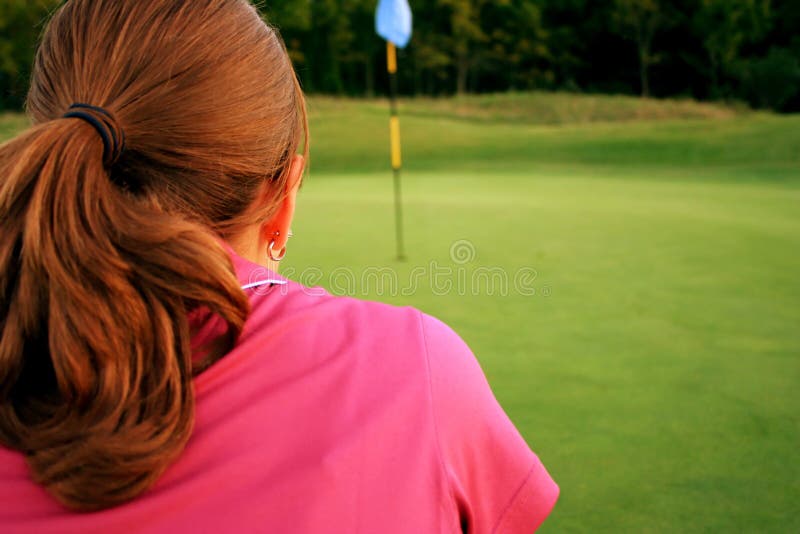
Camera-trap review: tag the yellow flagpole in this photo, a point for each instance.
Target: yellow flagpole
(394, 134)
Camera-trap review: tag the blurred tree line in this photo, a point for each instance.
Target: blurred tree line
(707, 49)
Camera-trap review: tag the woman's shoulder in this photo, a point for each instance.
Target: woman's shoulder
(373, 329)
(313, 320)
(318, 309)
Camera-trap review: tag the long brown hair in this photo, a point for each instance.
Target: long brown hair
(99, 263)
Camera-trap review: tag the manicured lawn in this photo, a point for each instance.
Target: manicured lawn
(647, 341)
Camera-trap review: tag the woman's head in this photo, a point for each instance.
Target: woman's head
(203, 90)
(101, 260)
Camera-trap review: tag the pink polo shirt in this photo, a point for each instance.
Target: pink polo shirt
(331, 414)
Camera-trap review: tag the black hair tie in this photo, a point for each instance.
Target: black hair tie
(105, 124)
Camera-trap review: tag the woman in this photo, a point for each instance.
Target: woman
(156, 374)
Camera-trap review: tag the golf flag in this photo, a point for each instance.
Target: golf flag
(393, 21)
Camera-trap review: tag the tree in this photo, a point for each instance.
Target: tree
(21, 22)
(771, 81)
(466, 37)
(744, 49)
(571, 28)
(365, 47)
(293, 21)
(430, 49)
(726, 26)
(517, 54)
(640, 20)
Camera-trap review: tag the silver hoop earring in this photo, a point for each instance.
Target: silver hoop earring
(271, 252)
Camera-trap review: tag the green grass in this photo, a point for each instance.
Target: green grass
(348, 137)
(11, 124)
(655, 370)
(551, 108)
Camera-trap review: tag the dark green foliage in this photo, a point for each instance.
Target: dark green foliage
(21, 22)
(706, 49)
(771, 81)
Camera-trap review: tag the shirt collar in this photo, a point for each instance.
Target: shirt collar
(251, 275)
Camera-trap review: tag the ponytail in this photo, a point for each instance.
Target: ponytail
(95, 285)
(104, 252)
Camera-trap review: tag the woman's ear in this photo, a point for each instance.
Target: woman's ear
(277, 228)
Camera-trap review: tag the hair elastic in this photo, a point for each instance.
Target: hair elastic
(105, 125)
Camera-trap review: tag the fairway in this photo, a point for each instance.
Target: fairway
(630, 288)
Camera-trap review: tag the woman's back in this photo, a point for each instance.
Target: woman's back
(330, 415)
(151, 377)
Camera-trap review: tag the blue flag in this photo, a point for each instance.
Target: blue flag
(393, 21)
